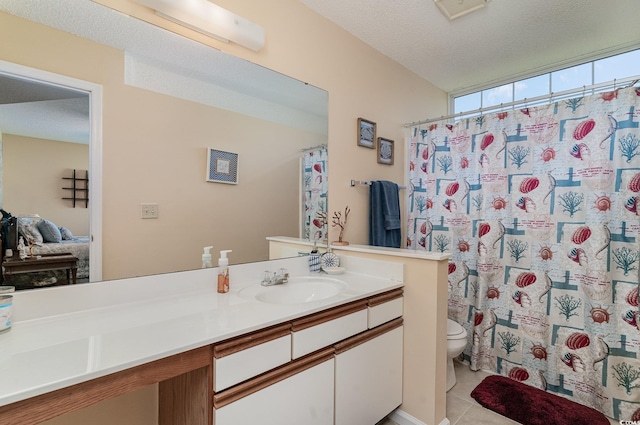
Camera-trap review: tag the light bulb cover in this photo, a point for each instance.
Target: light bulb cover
(209, 19)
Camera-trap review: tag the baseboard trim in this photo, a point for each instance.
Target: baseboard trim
(403, 418)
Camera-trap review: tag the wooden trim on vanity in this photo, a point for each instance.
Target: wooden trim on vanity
(327, 315)
(272, 377)
(184, 399)
(363, 337)
(244, 342)
(385, 297)
(37, 409)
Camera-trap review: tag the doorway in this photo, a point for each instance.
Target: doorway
(42, 89)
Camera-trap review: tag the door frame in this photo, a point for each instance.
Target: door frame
(95, 149)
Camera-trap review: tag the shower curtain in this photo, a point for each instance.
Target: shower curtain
(539, 209)
(314, 182)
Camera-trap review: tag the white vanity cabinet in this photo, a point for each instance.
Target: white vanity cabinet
(298, 393)
(334, 370)
(369, 375)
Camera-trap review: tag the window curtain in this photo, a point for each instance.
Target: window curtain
(539, 209)
(314, 181)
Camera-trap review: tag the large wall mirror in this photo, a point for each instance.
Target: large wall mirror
(166, 100)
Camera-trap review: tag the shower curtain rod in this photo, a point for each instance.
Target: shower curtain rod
(312, 148)
(551, 96)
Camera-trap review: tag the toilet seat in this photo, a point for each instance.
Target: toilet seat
(454, 330)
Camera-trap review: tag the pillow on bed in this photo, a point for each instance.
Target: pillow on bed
(65, 233)
(29, 229)
(22, 223)
(49, 231)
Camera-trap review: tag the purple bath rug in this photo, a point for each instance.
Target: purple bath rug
(532, 406)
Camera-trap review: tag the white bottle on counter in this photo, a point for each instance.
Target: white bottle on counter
(206, 257)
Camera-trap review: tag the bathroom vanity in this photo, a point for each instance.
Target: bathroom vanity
(217, 358)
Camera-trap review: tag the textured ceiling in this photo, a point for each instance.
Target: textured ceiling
(504, 39)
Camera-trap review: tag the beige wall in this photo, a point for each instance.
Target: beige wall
(32, 171)
(161, 162)
(361, 83)
(139, 407)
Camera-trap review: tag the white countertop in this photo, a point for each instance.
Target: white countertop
(67, 335)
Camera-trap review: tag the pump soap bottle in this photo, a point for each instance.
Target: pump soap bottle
(223, 272)
(206, 257)
(314, 259)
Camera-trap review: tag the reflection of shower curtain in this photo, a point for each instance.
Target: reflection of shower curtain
(314, 180)
(539, 208)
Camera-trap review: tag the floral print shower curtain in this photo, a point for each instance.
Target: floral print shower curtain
(314, 181)
(539, 208)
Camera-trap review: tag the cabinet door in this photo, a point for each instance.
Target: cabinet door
(304, 397)
(369, 375)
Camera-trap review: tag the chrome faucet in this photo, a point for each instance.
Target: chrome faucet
(274, 278)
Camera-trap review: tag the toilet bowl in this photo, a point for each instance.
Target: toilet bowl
(456, 343)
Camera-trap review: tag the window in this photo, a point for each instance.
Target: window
(614, 67)
(600, 71)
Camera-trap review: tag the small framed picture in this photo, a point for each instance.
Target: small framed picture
(366, 133)
(385, 151)
(222, 167)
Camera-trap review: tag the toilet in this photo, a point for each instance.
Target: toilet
(456, 343)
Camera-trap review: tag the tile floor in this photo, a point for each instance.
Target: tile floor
(464, 410)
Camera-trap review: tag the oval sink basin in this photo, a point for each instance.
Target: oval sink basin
(301, 289)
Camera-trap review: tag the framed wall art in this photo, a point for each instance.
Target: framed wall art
(385, 151)
(222, 167)
(366, 133)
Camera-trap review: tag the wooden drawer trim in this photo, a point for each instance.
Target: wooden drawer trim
(327, 315)
(272, 377)
(385, 297)
(244, 342)
(363, 337)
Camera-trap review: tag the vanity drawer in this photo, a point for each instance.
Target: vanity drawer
(241, 358)
(300, 392)
(320, 330)
(385, 307)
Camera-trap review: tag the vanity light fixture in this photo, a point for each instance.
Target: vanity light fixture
(209, 19)
(453, 9)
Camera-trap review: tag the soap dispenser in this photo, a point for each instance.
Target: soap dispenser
(206, 257)
(314, 259)
(223, 272)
